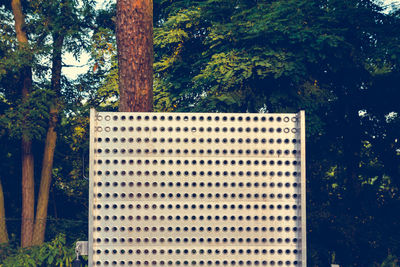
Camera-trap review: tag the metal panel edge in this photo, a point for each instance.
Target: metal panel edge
(91, 179)
(303, 187)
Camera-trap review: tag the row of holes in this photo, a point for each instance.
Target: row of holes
(200, 162)
(194, 118)
(200, 151)
(194, 184)
(195, 240)
(193, 218)
(195, 195)
(200, 129)
(195, 129)
(201, 263)
(199, 251)
(192, 206)
(185, 195)
(200, 229)
(200, 140)
(201, 173)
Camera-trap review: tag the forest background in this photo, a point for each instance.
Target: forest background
(338, 60)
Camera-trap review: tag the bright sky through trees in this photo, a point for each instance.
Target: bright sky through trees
(79, 66)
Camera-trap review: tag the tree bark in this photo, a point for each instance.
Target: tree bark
(3, 226)
(50, 144)
(19, 20)
(28, 194)
(135, 54)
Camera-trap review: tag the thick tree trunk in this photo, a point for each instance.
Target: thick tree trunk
(135, 54)
(19, 20)
(45, 182)
(50, 145)
(28, 194)
(3, 226)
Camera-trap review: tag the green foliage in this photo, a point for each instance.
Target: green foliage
(53, 253)
(100, 84)
(253, 48)
(390, 261)
(104, 54)
(29, 117)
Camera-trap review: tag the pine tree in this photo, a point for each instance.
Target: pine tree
(135, 54)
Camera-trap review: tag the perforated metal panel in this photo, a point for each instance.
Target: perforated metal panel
(197, 189)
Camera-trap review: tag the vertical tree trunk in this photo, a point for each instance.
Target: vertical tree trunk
(135, 54)
(28, 194)
(45, 182)
(3, 226)
(50, 144)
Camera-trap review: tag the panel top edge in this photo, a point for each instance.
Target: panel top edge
(192, 113)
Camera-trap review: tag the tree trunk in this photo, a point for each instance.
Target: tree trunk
(3, 226)
(135, 54)
(46, 175)
(50, 145)
(28, 194)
